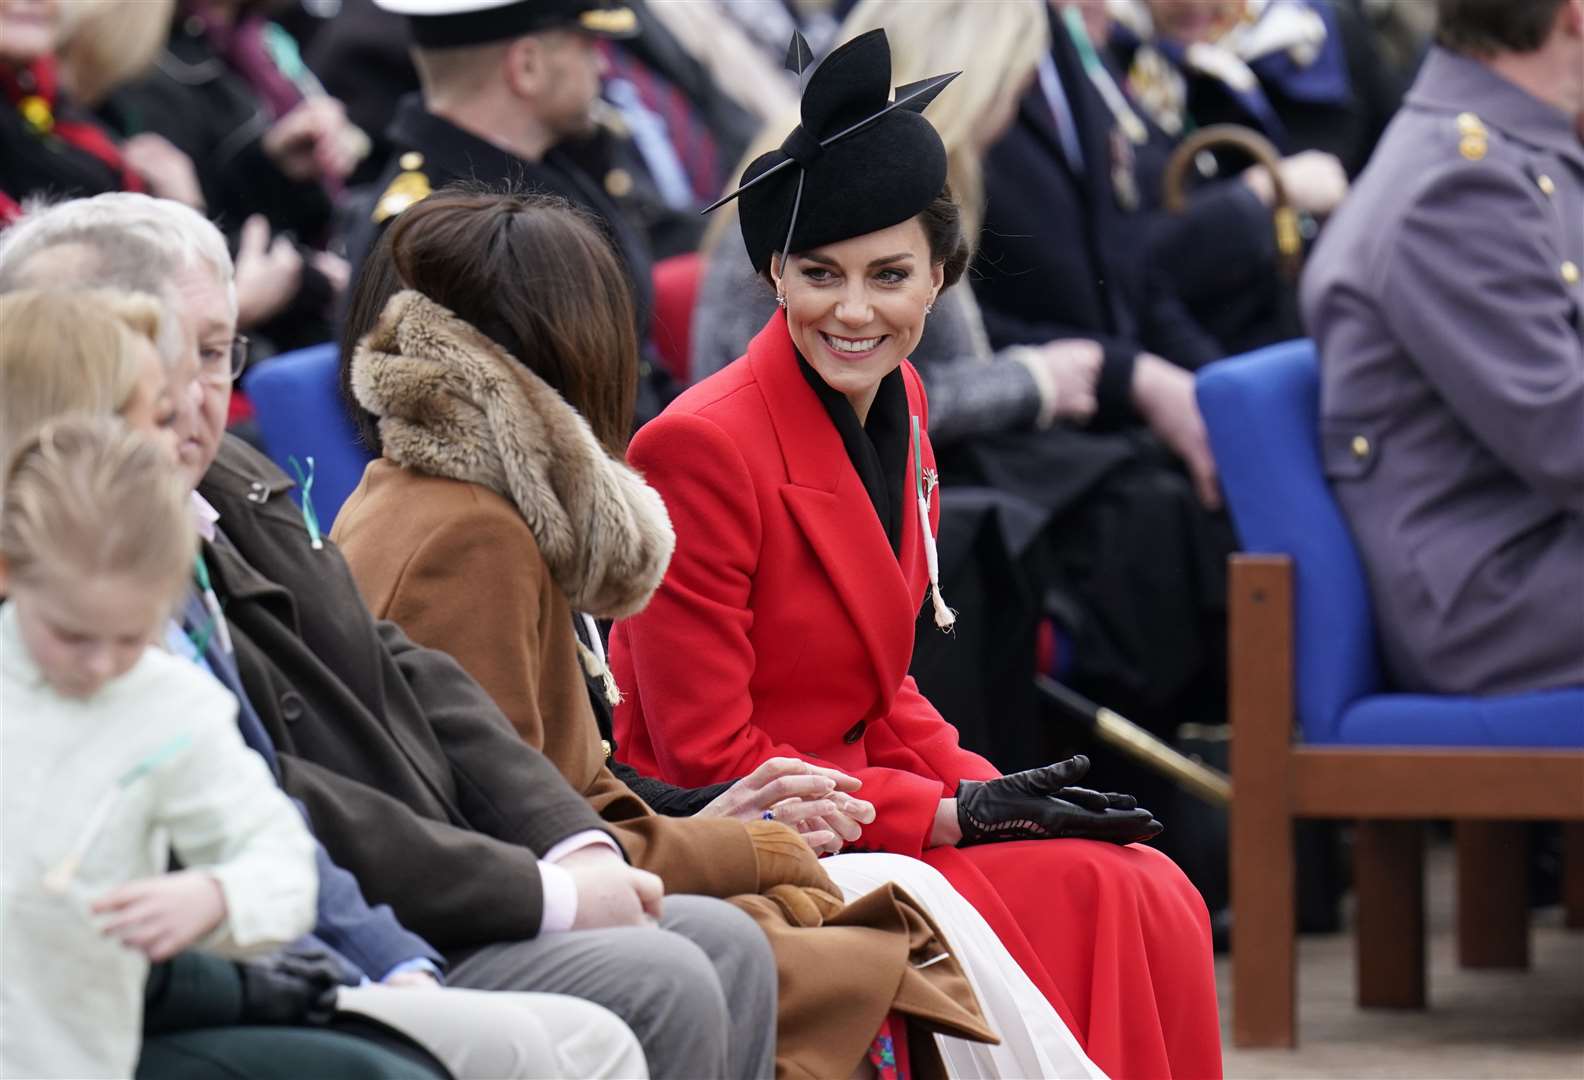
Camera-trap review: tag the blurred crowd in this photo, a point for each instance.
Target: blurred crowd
(1062, 378)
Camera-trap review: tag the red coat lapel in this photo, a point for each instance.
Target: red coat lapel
(827, 501)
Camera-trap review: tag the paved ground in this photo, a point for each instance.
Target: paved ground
(1485, 1025)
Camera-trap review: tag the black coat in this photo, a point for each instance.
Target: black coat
(47, 163)
(212, 115)
(194, 99)
(1127, 562)
(363, 58)
(450, 154)
(413, 779)
(1060, 256)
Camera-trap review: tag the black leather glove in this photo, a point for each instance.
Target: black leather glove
(296, 985)
(1042, 804)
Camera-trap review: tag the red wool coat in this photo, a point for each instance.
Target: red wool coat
(785, 625)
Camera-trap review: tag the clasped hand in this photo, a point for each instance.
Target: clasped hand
(810, 798)
(1043, 804)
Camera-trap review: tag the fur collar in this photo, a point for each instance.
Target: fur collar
(453, 403)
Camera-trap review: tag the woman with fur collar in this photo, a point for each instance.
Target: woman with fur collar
(501, 513)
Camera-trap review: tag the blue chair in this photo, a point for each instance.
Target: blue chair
(1303, 659)
(297, 396)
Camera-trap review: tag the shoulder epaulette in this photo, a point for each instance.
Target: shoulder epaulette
(408, 187)
(1473, 139)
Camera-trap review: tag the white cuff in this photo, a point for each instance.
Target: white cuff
(579, 841)
(560, 899)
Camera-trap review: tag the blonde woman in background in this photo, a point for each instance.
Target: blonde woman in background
(54, 143)
(105, 43)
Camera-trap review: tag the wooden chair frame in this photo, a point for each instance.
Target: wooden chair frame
(1390, 792)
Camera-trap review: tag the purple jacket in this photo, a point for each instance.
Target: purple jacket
(1446, 302)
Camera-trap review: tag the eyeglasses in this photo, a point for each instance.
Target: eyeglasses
(223, 365)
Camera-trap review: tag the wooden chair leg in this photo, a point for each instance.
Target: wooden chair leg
(1492, 894)
(1389, 879)
(1573, 874)
(1264, 961)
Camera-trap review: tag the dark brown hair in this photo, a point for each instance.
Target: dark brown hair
(943, 231)
(1485, 27)
(942, 221)
(532, 272)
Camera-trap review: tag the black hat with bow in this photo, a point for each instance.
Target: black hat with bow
(859, 162)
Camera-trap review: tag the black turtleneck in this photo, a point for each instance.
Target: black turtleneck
(878, 448)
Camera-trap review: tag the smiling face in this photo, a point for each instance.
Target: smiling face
(855, 309)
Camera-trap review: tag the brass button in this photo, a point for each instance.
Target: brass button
(1546, 185)
(1469, 124)
(855, 732)
(1472, 147)
(605, 746)
(411, 161)
(618, 183)
(1361, 446)
(1570, 272)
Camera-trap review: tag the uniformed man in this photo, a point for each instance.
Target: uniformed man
(503, 83)
(1446, 301)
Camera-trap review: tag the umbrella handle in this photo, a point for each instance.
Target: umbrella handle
(1289, 242)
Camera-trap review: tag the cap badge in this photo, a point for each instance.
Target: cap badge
(608, 20)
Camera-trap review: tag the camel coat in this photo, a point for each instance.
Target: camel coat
(455, 561)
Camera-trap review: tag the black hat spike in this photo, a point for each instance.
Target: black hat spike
(799, 55)
(914, 97)
(917, 99)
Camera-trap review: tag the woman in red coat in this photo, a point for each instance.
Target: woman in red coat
(801, 483)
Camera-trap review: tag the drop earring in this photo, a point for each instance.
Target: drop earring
(780, 300)
(928, 308)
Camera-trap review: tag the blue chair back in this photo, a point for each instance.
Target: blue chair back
(297, 396)
(1262, 411)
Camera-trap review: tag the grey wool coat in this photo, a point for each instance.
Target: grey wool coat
(1446, 301)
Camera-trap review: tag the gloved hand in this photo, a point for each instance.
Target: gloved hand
(1042, 804)
(293, 986)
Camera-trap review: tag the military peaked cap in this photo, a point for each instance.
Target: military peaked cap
(446, 24)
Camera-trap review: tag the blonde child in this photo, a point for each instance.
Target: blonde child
(113, 754)
(97, 351)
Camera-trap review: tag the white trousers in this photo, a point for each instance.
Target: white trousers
(1034, 1040)
(505, 1035)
